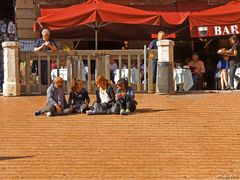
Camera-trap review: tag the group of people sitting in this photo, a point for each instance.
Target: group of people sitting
(107, 101)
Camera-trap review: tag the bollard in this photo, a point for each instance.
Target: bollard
(164, 81)
(11, 86)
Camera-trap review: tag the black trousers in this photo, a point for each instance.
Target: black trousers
(126, 103)
(232, 75)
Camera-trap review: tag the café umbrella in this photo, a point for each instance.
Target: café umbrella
(115, 21)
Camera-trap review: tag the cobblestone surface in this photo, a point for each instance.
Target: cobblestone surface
(185, 136)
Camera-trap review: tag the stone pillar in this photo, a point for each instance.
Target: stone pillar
(165, 82)
(11, 86)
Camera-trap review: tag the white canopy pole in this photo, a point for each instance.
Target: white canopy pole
(96, 38)
(145, 68)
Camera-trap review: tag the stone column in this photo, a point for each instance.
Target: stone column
(11, 86)
(164, 82)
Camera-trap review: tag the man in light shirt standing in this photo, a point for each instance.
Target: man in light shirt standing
(153, 45)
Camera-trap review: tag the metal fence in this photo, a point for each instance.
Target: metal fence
(38, 69)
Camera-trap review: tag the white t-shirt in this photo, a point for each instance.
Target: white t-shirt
(104, 96)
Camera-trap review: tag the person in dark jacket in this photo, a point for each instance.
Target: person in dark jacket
(56, 102)
(125, 97)
(234, 60)
(153, 45)
(78, 98)
(43, 44)
(105, 97)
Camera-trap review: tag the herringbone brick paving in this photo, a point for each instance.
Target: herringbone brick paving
(186, 136)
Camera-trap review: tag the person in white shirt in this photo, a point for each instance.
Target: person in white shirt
(113, 66)
(105, 96)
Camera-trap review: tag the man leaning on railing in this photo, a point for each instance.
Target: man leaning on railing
(43, 44)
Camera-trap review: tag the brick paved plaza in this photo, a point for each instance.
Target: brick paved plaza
(185, 136)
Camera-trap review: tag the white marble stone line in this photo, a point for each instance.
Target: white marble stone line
(89, 73)
(139, 74)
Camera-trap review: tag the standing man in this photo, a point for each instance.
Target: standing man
(43, 44)
(234, 62)
(153, 45)
(56, 102)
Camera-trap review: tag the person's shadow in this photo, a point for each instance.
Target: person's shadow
(151, 110)
(3, 158)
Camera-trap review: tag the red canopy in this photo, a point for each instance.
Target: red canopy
(110, 21)
(176, 14)
(48, 11)
(117, 21)
(97, 11)
(219, 21)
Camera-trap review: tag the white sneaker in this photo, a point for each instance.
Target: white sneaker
(89, 112)
(49, 114)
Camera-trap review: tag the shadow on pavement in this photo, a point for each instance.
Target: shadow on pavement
(3, 158)
(151, 110)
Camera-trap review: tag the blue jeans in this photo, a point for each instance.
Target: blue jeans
(195, 78)
(154, 70)
(80, 107)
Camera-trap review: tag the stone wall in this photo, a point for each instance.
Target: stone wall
(25, 18)
(123, 2)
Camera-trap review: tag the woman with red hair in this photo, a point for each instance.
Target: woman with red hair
(105, 97)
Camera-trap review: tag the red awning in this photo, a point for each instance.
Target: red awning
(97, 11)
(114, 20)
(111, 20)
(176, 14)
(220, 21)
(44, 12)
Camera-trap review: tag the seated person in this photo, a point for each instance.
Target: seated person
(54, 64)
(124, 64)
(125, 97)
(223, 67)
(56, 102)
(142, 72)
(78, 98)
(113, 67)
(198, 69)
(105, 97)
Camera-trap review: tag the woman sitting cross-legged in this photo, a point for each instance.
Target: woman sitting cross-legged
(125, 97)
(105, 97)
(78, 98)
